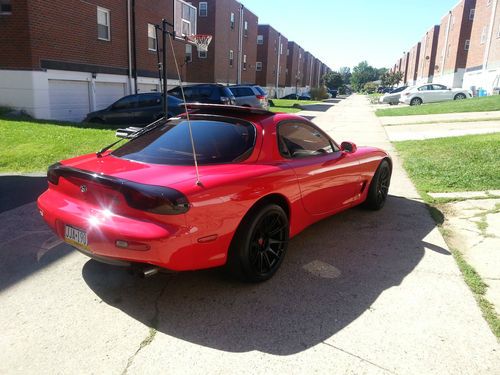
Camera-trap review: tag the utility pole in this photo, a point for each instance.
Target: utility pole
(164, 25)
(240, 45)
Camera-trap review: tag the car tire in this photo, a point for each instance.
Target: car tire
(459, 96)
(416, 101)
(259, 244)
(379, 187)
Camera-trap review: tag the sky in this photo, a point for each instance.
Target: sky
(345, 32)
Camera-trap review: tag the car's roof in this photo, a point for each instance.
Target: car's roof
(202, 108)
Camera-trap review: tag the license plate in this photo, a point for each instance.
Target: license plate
(75, 237)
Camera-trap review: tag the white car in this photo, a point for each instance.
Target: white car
(431, 93)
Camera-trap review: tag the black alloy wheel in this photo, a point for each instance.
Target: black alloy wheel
(379, 187)
(260, 244)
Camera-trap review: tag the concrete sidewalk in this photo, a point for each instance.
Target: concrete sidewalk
(429, 131)
(360, 293)
(397, 120)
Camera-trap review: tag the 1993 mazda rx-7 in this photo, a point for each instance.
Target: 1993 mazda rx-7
(263, 178)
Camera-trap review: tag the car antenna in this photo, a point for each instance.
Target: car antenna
(195, 158)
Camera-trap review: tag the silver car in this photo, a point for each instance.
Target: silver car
(250, 96)
(392, 97)
(431, 93)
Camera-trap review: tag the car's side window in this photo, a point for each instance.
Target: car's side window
(439, 87)
(149, 100)
(126, 102)
(297, 140)
(425, 88)
(205, 92)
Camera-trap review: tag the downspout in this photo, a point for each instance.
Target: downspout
(240, 45)
(134, 47)
(278, 65)
(129, 38)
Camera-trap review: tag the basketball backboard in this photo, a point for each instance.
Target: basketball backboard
(184, 19)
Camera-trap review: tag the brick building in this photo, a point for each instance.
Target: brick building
(483, 58)
(404, 67)
(413, 64)
(72, 57)
(428, 51)
(232, 54)
(294, 66)
(308, 69)
(455, 29)
(271, 60)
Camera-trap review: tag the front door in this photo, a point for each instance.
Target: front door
(328, 177)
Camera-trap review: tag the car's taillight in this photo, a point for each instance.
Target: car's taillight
(225, 100)
(260, 97)
(155, 199)
(151, 198)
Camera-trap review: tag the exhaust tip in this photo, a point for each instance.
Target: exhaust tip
(148, 272)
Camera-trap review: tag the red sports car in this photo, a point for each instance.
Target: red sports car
(263, 178)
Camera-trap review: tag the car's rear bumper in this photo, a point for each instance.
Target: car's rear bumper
(166, 245)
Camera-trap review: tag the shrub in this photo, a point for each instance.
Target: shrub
(319, 93)
(370, 88)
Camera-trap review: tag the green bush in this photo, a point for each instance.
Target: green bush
(319, 93)
(370, 88)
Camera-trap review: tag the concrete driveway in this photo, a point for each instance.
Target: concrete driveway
(360, 293)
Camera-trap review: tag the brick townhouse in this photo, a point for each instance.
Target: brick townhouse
(64, 58)
(308, 68)
(482, 69)
(413, 64)
(232, 54)
(294, 66)
(428, 50)
(271, 60)
(404, 67)
(454, 31)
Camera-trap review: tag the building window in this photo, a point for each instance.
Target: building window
(260, 39)
(471, 14)
(5, 7)
(151, 37)
(467, 45)
(103, 24)
(189, 53)
(203, 9)
(231, 21)
(488, 3)
(202, 54)
(258, 66)
(281, 48)
(288, 51)
(245, 29)
(244, 62)
(483, 35)
(231, 57)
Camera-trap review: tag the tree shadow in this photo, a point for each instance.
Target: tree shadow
(333, 272)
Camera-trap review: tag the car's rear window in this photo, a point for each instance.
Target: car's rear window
(242, 91)
(260, 90)
(216, 141)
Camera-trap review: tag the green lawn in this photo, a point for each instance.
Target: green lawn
(287, 105)
(488, 103)
(467, 163)
(31, 146)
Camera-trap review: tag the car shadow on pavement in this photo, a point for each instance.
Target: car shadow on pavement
(27, 244)
(333, 272)
(335, 101)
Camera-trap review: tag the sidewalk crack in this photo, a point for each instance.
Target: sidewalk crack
(152, 330)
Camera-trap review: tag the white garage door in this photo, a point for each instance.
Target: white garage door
(69, 100)
(107, 93)
(146, 87)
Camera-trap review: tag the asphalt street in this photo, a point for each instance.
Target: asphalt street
(359, 293)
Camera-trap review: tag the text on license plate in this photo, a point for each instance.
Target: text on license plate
(75, 236)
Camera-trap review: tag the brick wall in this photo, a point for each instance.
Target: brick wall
(481, 22)
(293, 65)
(15, 45)
(428, 53)
(413, 60)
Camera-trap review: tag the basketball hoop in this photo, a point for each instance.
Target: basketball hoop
(201, 41)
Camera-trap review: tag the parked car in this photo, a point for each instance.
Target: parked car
(392, 97)
(205, 93)
(137, 109)
(333, 92)
(250, 96)
(431, 93)
(297, 97)
(143, 204)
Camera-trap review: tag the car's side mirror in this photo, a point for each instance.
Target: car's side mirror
(349, 147)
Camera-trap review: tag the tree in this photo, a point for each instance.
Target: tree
(363, 73)
(332, 80)
(345, 73)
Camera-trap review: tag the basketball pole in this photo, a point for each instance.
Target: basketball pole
(164, 55)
